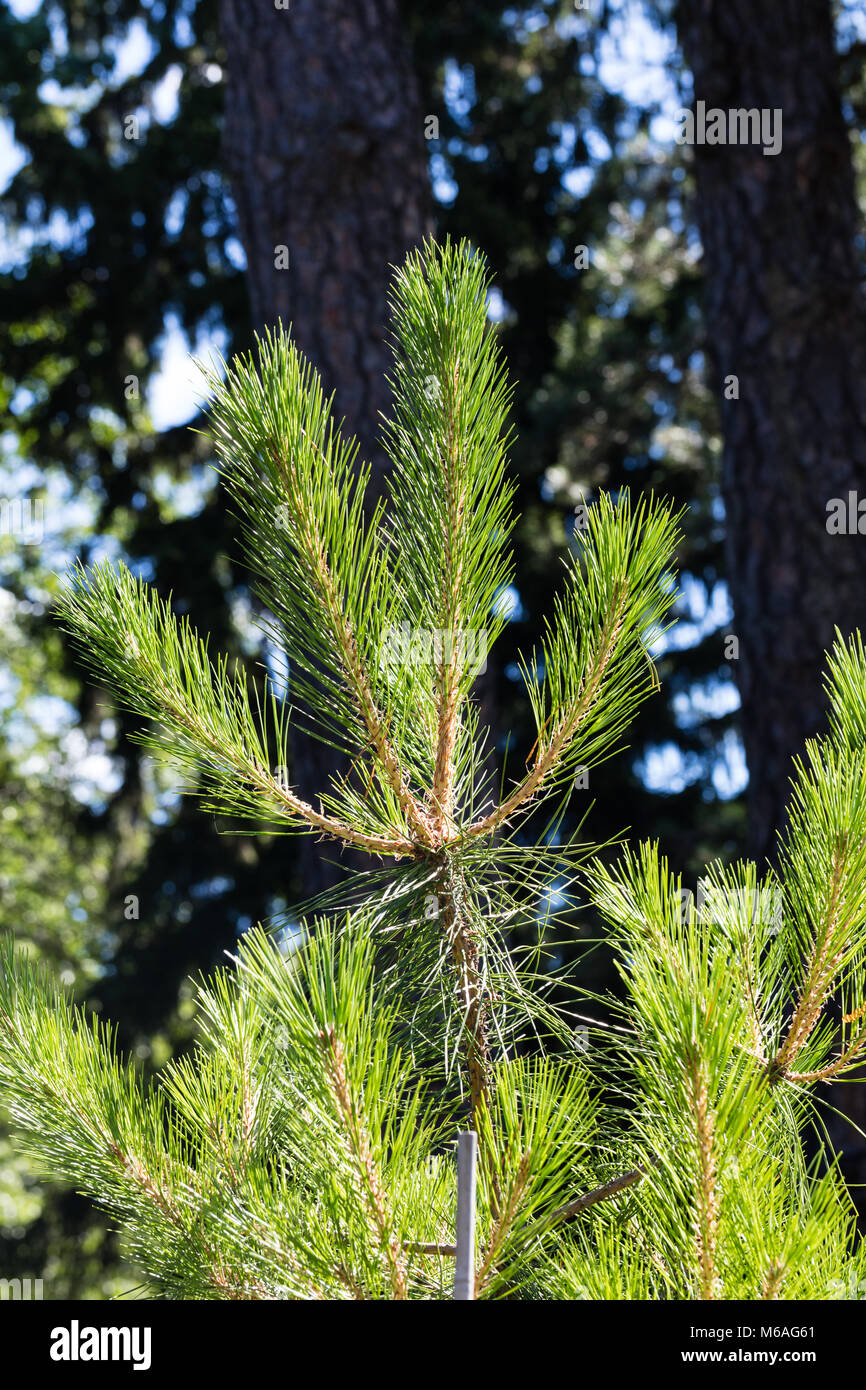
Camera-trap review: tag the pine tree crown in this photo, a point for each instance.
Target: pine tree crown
(650, 1149)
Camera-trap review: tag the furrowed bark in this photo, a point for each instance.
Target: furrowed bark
(785, 313)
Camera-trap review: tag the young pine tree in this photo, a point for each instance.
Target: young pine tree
(306, 1148)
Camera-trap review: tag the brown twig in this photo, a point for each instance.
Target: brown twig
(446, 683)
(419, 1248)
(773, 1280)
(599, 1194)
(843, 1062)
(706, 1224)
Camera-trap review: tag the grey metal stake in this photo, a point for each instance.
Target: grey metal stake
(464, 1264)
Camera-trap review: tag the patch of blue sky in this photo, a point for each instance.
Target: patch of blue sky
(851, 27)
(459, 91)
(60, 232)
(46, 714)
(730, 773)
(710, 698)
(245, 622)
(497, 308)
(635, 62)
(703, 612)
(444, 185)
(578, 181)
(237, 257)
(183, 497)
(67, 515)
(83, 765)
(175, 392)
(212, 887)
(131, 54)
(666, 769)
(10, 685)
(277, 666)
(507, 604)
(12, 155)
(288, 937)
(559, 894)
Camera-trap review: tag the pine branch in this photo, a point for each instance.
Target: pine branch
(161, 669)
(447, 691)
(450, 501)
(465, 955)
(706, 1225)
(357, 677)
(550, 749)
(848, 1058)
(599, 1194)
(596, 664)
(819, 979)
(773, 1281)
(81, 1113)
(324, 571)
(368, 1178)
(823, 863)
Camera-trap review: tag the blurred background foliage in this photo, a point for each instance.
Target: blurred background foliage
(120, 255)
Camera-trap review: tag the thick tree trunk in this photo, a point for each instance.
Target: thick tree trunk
(785, 315)
(324, 143)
